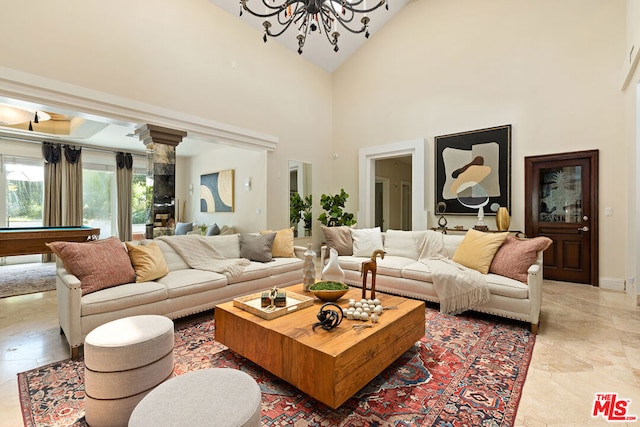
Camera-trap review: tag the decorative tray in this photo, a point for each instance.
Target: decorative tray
(252, 304)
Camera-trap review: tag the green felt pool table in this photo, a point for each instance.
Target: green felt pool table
(33, 240)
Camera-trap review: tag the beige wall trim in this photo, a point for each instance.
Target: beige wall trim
(94, 104)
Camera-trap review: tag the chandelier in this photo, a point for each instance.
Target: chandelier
(314, 16)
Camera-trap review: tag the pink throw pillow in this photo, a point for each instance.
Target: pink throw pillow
(515, 256)
(98, 265)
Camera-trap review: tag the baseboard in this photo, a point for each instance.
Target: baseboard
(612, 284)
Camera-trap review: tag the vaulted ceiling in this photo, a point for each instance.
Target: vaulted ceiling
(76, 127)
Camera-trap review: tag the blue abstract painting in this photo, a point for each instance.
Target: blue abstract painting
(216, 191)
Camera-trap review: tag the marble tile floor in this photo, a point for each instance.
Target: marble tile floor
(588, 342)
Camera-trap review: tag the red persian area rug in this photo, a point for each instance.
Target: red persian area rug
(465, 371)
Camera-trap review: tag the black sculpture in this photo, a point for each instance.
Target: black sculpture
(328, 317)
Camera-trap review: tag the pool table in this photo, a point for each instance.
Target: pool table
(33, 240)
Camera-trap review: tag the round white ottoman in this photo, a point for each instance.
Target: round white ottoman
(124, 360)
(209, 397)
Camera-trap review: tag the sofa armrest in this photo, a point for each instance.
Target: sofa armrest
(69, 294)
(299, 251)
(534, 281)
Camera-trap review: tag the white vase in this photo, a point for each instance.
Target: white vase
(309, 268)
(332, 272)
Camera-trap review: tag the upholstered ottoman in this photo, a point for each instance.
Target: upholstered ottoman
(124, 360)
(210, 397)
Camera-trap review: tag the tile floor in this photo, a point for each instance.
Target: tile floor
(589, 342)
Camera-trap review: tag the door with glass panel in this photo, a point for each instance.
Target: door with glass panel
(561, 202)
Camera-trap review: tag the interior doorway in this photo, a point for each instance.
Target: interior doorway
(561, 202)
(382, 203)
(405, 205)
(368, 156)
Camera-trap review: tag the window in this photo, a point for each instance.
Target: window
(24, 179)
(98, 197)
(139, 196)
(99, 193)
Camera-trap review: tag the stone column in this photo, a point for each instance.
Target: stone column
(162, 143)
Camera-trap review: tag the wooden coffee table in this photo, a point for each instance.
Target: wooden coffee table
(330, 366)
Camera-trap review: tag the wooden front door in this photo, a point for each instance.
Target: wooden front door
(561, 202)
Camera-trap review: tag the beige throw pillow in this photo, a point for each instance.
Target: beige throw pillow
(148, 261)
(477, 249)
(283, 243)
(339, 238)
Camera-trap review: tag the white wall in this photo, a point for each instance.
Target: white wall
(632, 100)
(549, 68)
(186, 56)
(245, 163)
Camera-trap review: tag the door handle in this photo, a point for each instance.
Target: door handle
(585, 228)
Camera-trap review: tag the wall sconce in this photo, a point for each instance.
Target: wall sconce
(247, 183)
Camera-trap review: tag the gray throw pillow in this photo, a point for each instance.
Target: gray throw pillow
(183, 228)
(212, 230)
(257, 247)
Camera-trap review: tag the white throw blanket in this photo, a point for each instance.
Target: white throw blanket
(199, 254)
(458, 288)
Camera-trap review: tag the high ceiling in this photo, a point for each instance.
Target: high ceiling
(87, 130)
(317, 49)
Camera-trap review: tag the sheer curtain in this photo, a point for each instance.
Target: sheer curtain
(124, 176)
(52, 209)
(72, 186)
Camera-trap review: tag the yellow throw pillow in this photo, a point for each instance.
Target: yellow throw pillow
(283, 243)
(477, 249)
(148, 261)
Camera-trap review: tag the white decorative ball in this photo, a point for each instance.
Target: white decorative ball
(357, 315)
(364, 316)
(374, 318)
(377, 309)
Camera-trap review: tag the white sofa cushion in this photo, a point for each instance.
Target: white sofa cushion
(406, 244)
(417, 271)
(253, 271)
(189, 281)
(122, 297)
(500, 285)
(349, 262)
(172, 258)
(392, 265)
(451, 243)
(284, 265)
(366, 241)
(228, 245)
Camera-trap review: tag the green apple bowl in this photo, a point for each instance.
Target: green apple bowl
(329, 291)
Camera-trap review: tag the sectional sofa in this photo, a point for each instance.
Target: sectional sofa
(512, 267)
(136, 285)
